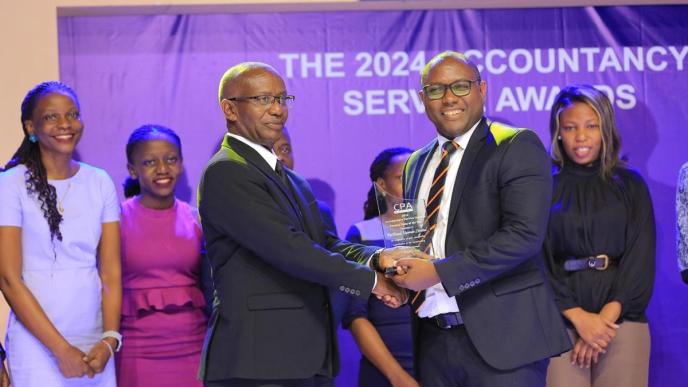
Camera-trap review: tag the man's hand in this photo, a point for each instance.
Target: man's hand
(389, 257)
(386, 291)
(416, 273)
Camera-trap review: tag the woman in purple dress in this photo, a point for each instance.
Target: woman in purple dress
(163, 318)
(59, 251)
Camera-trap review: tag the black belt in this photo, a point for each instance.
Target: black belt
(445, 320)
(598, 262)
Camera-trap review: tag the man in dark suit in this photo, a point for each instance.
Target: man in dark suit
(487, 317)
(285, 153)
(272, 259)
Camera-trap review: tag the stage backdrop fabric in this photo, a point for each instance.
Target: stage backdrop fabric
(355, 76)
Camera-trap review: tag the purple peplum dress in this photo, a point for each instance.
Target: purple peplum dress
(163, 320)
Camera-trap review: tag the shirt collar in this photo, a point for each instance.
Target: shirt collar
(461, 139)
(267, 154)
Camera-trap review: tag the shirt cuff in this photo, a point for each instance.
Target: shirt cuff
(368, 263)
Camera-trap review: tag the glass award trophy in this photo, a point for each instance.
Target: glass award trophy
(403, 220)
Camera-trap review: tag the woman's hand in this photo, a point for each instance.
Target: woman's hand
(4, 378)
(611, 311)
(403, 379)
(72, 364)
(98, 356)
(583, 354)
(595, 329)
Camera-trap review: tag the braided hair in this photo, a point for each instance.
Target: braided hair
(139, 135)
(373, 207)
(29, 154)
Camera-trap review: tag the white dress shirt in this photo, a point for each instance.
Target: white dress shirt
(436, 299)
(264, 152)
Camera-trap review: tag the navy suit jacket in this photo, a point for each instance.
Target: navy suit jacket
(273, 263)
(494, 264)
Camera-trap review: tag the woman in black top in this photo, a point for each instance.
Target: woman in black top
(600, 246)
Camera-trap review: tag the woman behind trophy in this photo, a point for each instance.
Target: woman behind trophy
(383, 334)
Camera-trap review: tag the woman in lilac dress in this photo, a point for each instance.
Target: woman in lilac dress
(59, 251)
(163, 319)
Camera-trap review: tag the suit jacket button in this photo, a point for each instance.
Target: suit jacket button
(358, 292)
(477, 280)
(472, 283)
(341, 288)
(461, 288)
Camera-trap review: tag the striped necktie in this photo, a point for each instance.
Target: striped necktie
(432, 209)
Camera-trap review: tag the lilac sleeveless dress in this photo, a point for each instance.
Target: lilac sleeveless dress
(61, 275)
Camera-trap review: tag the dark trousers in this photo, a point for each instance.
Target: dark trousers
(316, 381)
(448, 358)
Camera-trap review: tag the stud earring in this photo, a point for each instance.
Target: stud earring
(558, 137)
(33, 138)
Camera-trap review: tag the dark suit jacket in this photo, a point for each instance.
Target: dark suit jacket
(272, 264)
(496, 227)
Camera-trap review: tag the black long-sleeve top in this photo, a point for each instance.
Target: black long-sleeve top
(591, 216)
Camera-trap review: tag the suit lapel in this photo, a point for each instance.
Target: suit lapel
(302, 202)
(416, 166)
(257, 161)
(475, 144)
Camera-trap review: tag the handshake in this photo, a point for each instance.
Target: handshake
(399, 269)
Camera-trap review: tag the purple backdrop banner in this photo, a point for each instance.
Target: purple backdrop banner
(356, 76)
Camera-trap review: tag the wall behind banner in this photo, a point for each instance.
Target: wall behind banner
(356, 76)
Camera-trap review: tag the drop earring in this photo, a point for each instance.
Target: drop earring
(33, 138)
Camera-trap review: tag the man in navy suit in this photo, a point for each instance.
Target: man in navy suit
(273, 261)
(488, 317)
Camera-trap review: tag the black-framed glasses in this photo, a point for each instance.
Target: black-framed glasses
(460, 89)
(267, 100)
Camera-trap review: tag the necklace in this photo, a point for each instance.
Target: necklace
(60, 208)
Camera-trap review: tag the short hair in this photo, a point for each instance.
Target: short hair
(599, 102)
(441, 57)
(236, 71)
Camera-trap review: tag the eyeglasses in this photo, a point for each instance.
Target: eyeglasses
(460, 89)
(267, 100)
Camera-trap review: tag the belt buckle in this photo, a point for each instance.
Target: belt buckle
(605, 258)
(443, 321)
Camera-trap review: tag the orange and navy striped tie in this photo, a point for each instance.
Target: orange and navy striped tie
(432, 209)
